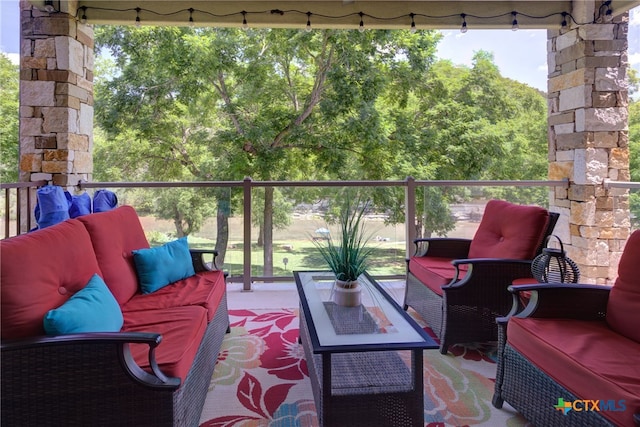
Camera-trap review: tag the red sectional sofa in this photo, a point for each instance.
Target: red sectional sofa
(571, 357)
(154, 371)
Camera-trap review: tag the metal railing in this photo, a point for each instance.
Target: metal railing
(24, 197)
(247, 187)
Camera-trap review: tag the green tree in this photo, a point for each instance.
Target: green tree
(220, 104)
(468, 123)
(9, 106)
(280, 104)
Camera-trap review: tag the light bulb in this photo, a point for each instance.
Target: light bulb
(308, 27)
(463, 28)
(245, 26)
(514, 23)
(48, 6)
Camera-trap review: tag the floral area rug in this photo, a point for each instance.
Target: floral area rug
(261, 379)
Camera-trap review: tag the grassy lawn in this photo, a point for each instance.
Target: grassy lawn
(388, 258)
(293, 244)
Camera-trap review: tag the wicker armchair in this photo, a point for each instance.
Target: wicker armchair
(573, 342)
(459, 286)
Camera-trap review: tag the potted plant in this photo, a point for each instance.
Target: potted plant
(347, 256)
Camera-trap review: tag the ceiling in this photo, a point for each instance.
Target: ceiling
(383, 14)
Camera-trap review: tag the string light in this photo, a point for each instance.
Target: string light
(245, 26)
(308, 27)
(605, 10)
(83, 19)
(608, 15)
(48, 6)
(563, 24)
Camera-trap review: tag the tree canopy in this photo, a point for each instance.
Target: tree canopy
(222, 104)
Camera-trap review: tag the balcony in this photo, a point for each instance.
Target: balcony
(401, 211)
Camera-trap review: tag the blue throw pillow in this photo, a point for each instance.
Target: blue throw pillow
(104, 201)
(80, 205)
(52, 206)
(157, 267)
(91, 309)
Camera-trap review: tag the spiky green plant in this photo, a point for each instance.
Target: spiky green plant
(348, 256)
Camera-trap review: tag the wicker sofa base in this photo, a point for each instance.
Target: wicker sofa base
(93, 383)
(533, 394)
(189, 399)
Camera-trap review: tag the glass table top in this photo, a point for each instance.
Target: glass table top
(379, 322)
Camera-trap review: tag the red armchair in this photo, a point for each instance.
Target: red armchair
(459, 286)
(572, 343)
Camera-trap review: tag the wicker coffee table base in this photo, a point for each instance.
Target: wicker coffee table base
(365, 388)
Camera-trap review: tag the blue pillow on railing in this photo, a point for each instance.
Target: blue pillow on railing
(53, 205)
(80, 205)
(104, 200)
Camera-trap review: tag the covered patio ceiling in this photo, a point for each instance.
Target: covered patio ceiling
(383, 14)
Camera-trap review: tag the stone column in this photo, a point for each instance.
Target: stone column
(56, 97)
(588, 140)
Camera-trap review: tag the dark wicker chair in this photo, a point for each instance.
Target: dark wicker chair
(471, 292)
(523, 385)
(574, 342)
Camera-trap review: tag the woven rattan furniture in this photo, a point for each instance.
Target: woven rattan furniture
(365, 363)
(155, 371)
(459, 286)
(574, 342)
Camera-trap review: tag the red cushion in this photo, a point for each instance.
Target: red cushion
(623, 308)
(509, 231)
(585, 357)
(182, 329)
(204, 289)
(40, 271)
(433, 272)
(114, 235)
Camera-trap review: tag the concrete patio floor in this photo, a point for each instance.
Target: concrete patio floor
(285, 295)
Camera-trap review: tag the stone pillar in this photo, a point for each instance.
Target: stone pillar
(56, 97)
(588, 140)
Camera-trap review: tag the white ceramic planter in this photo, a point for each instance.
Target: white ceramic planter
(347, 294)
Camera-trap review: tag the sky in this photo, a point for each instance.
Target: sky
(527, 65)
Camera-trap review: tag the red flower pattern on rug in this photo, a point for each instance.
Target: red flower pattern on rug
(261, 379)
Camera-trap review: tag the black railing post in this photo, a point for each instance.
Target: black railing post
(246, 268)
(410, 213)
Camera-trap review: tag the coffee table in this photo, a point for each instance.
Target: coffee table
(365, 363)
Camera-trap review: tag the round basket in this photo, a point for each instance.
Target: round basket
(553, 265)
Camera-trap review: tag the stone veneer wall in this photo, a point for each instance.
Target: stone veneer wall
(589, 142)
(56, 97)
